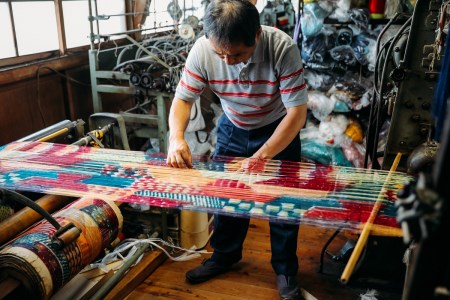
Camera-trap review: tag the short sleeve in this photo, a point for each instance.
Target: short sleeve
(192, 80)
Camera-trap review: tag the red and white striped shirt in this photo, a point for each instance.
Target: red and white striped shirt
(253, 94)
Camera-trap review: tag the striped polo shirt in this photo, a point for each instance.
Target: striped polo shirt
(254, 94)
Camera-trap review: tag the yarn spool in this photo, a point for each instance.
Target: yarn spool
(42, 267)
(376, 9)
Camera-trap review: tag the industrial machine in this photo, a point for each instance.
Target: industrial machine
(407, 69)
(137, 80)
(280, 14)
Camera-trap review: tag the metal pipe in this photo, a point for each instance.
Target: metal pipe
(66, 124)
(104, 290)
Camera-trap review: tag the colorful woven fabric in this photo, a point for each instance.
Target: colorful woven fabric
(286, 191)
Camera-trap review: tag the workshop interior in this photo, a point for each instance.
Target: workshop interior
(93, 80)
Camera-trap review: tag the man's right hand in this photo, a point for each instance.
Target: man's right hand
(179, 154)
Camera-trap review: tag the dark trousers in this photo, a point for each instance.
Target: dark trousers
(230, 232)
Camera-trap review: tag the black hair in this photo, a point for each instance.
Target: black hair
(229, 22)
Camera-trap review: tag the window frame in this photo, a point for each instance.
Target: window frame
(62, 51)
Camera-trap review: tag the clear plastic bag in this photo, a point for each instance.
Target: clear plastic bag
(312, 19)
(320, 105)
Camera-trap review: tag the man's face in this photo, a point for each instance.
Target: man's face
(235, 53)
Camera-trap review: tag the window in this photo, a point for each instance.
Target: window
(163, 15)
(76, 23)
(35, 26)
(31, 27)
(6, 32)
(76, 20)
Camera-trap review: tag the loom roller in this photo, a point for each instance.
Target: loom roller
(40, 261)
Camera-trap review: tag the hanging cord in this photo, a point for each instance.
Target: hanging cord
(298, 35)
(132, 245)
(38, 96)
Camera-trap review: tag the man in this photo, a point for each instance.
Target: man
(256, 72)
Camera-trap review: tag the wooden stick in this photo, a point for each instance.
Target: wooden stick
(367, 227)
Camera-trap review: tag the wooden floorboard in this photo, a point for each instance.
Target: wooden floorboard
(253, 277)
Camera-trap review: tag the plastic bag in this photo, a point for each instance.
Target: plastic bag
(364, 47)
(318, 152)
(360, 18)
(341, 12)
(344, 54)
(196, 121)
(331, 130)
(198, 142)
(312, 19)
(353, 152)
(320, 105)
(319, 81)
(314, 49)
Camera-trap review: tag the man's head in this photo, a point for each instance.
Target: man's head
(233, 28)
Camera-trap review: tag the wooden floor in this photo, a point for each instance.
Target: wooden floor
(253, 277)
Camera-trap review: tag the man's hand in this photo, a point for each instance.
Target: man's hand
(179, 154)
(253, 165)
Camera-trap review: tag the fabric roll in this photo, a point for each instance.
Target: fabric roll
(42, 266)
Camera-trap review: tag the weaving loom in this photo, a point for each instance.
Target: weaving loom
(329, 196)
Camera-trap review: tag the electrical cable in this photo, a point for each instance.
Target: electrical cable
(29, 203)
(38, 99)
(130, 246)
(377, 106)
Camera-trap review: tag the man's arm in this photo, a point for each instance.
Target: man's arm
(285, 132)
(179, 155)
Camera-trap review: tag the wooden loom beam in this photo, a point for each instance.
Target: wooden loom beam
(26, 217)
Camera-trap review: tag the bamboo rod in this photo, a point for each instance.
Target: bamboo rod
(367, 228)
